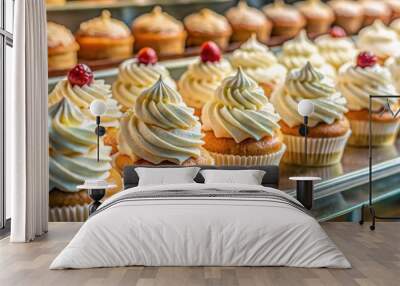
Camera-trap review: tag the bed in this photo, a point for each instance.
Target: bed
(201, 224)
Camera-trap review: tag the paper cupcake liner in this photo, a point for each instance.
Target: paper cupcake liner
(76, 213)
(320, 151)
(383, 133)
(237, 160)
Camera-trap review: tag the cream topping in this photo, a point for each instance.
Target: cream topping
(104, 26)
(207, 21)
(240, 110)
(394, 67)
(379, 39)
(395, 25)
(157, 21)
(346, 8)
(283, 12)
(315, 8)
(374, 7)
(198, 84)
(134, 78)
(258, 62)
(308, 83)
(357, 84)
(243, 14)
(162, 128)
(336, 51)
(83, 96)
(58, 35)
(300, 50)
(73, 151)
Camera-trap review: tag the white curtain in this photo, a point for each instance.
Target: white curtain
(26, 121)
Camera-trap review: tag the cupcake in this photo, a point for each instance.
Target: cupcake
(61, 47)
(161, 130)
(104, 38)
(207, 25)
(82, 89)
(241, 126)
(198, 84)
(72, 160)
(394, 6)
(246, 21)
(395, 25)
(336, 48)
(375, 10)
(394, 67)
(357, 83)
(286, 20)
(159, 31)
(328, 128)
(136, 75)
(348, 14)
(300, 50)
(380, 40)
(318, 15)
(55, 2)
(260, 64)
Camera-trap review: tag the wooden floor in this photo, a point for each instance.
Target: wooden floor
(375, 257)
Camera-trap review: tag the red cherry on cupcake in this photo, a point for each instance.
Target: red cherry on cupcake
(147, 56)
(366, 59)
(210, 52)
(80, 75)
(337, 32)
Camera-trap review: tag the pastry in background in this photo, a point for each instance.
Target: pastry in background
(328, 130)
(286, 20)
(72, 160)
(348, 14)
(104, 38)
(207, 25)
(61, 47)
(260, 64)
(395, 25)
(300, 50)
(82, 89)
(380, 40)
(336, 48)
(394, 67)
(136, 75)
(199, 82)
(319, 16)
(55, 2)
(357, 83)
(246, 21)
(159, 31)
(375, 10)
(241, 126)
(161, 130)
(394, 6)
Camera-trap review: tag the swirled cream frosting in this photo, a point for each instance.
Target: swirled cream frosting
(336, 51)
(240, 110)
(73, 153)
(242, 14)
(198, 84)
(207, 21)
(157, 21)
(58, 35)
(162, 128)
(83, 96)
(134, 78)
(300, 50)
(309, 83)
(104, 26)
(394, 67)
(379, 39)
(258, 62)
(357, 84)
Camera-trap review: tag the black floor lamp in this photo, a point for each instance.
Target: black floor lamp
(370, 205)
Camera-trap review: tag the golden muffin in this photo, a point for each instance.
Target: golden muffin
(349, 15)
(286, 20)
(104, 38)
(61, 47)
(319, 16)
(207, 25)
(159, 31)
(375, 10)
(246, 21)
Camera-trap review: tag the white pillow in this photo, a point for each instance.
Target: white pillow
(248, 177)
(166, 176)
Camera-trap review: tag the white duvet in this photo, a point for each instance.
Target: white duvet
(191, 231)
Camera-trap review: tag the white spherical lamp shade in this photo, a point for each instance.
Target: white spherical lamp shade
(305, 107)
(98, 107)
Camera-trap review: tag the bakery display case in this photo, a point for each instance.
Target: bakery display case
(343, 187)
